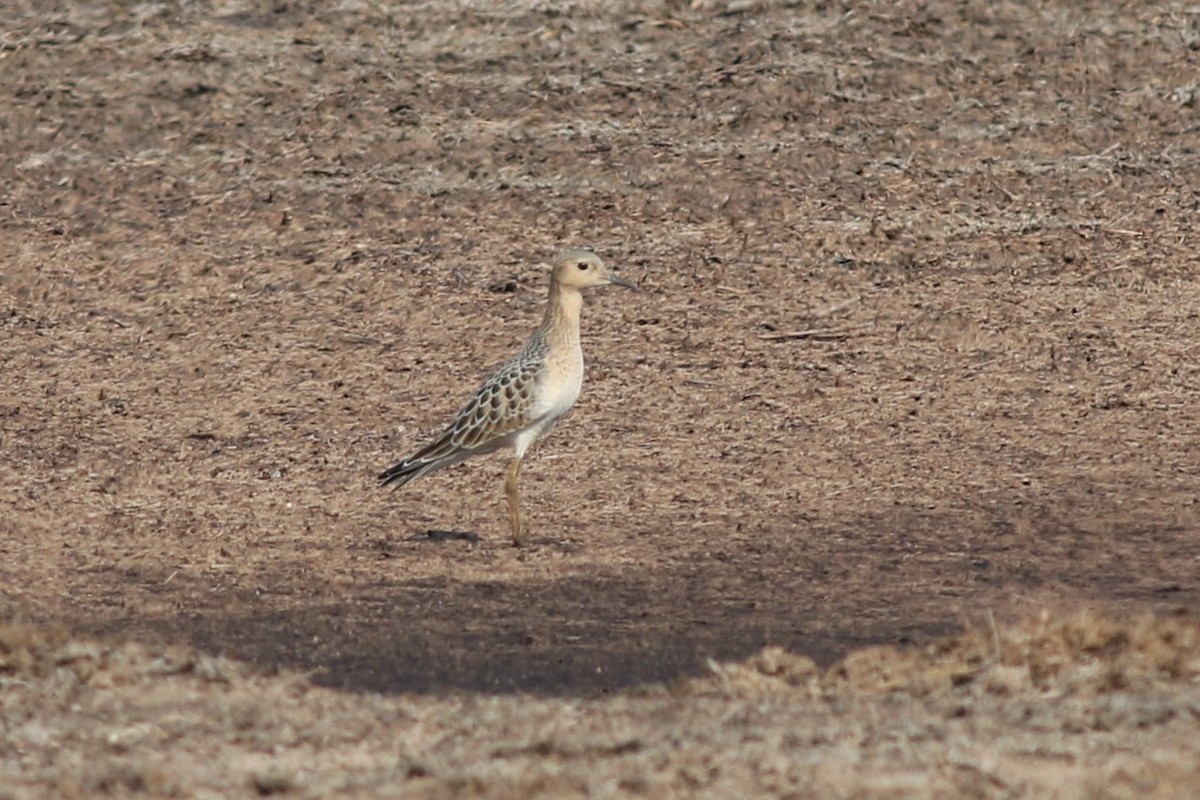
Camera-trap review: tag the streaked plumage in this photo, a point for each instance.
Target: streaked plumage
(525, 396)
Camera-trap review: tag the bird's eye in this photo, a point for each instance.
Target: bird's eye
(582, 265)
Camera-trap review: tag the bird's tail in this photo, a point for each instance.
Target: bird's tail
(438, 454)
(405, 471)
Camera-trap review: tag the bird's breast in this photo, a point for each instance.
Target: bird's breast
(561, 383)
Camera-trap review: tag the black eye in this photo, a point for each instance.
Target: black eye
(582, 265)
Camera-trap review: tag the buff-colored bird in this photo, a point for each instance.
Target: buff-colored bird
(525, 396)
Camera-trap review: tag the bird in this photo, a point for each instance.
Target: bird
(523, 398)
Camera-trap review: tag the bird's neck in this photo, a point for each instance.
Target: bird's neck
(562, 312)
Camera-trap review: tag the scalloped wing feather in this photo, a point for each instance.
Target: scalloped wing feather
(501, 406)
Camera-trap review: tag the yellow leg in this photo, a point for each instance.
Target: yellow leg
(514, 502)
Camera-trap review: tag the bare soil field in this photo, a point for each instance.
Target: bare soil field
(887, 484)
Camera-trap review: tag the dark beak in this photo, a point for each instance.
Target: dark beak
(613, 279)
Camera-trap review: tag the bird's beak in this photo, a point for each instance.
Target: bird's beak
(613, 279)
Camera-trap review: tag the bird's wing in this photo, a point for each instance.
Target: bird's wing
(502, 405)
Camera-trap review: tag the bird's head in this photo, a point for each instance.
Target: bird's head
(581, 268)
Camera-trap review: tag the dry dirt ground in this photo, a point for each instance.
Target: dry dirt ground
(917, 350)
(1076, 708)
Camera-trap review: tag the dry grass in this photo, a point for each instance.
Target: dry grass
(1078, 706)
(1076, 654)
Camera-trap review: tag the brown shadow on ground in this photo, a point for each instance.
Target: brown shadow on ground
(578, 636)
(820, 590)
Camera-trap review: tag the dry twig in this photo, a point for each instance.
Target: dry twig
(821, 334)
